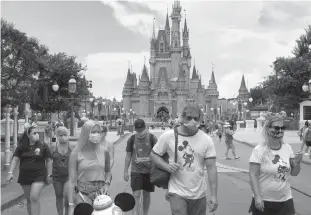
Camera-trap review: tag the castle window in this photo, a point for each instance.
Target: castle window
(162, 47)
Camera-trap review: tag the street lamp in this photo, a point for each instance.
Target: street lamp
(250, 100)
(55, 87)
(72, 87)
(306, 87)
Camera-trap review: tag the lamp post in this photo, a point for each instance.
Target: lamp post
(91, 104)
(7, 151)
(55, 87)
(95, 105)
(307, 88)
(72, 87)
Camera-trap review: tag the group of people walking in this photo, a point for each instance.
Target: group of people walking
(79, 174)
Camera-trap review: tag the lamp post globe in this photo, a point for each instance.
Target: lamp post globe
(55, 87)
(245, 103)
(305, 88)
(72, 85)
(250, 100)
(95, 103)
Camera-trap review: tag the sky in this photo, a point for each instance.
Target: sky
(238, 37)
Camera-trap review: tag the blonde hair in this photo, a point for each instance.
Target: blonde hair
(270, 119)
(61, 130)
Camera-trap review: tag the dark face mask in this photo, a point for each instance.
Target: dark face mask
(276, 133)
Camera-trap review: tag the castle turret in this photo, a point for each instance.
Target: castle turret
(167, 30)
(212, 87)
(185, 35)
(144, 93)
(127, 91)
(175, 47)
(243, 91)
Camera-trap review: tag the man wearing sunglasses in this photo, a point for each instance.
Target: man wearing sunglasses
(196, 152)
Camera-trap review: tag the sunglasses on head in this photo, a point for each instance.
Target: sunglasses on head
(189, 118)
(278, 127)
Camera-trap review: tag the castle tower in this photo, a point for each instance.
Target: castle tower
(167, 30)
(175, 39)
(243, 91)
(186, 55)
(212, 94)
(181, 92)
(200, 92)
(127, 91)
(144, 93)
(152, 60)
(194, 82)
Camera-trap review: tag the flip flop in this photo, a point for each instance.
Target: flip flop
(236, 158)
(228, 158)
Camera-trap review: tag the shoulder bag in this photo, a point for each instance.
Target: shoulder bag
(160, 177)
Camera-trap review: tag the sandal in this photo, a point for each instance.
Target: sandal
(237, 158)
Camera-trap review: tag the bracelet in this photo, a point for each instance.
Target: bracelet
(10, 172)
(71, 204)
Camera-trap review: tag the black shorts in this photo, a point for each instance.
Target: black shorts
(274, 208)
(141, 181)
(308, 143)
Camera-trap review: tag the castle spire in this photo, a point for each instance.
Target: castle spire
(153, 30)
(144, 75)
(167, 24)
(213, 81)
(194, 73)
(243, 88)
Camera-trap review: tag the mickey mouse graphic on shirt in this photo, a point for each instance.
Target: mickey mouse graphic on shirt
(282, 167)
(188, 156)
(37, 151)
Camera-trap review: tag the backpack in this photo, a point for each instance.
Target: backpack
(151, 140)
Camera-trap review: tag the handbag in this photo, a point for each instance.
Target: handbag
(160, 177)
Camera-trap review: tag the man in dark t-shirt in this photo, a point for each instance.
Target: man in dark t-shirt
(138, 150)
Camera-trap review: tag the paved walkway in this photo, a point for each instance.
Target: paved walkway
(12, 193)
(254, 138)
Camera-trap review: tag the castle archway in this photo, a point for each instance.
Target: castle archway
(163, 114)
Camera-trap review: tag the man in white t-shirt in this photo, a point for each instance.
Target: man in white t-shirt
(187, 185)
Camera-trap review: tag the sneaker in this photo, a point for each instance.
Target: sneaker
(307, 153)
(237, 158)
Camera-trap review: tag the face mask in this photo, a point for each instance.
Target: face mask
(277, 134)
(192, 125)
(35, 137)
(141, 134)
(95, 138)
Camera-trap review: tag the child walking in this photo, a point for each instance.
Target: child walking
(60, 154)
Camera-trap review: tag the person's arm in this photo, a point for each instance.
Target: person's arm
(72, 169)
(110, 148)
(294, 161)
(210, 164)
(49, 161)
(14, 163)
(254, 172)
(128, 156)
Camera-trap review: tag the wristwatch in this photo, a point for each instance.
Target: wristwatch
(107, 182)
(70, 204)
(49, 175)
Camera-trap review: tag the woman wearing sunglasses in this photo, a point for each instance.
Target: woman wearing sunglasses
(271, 163)
(35, 168)
(60, 153)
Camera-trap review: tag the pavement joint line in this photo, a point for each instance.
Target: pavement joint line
(252, 146)
(19, 198)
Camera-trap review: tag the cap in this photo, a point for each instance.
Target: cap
(139, 123)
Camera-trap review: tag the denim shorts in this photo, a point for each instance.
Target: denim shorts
(182, 206)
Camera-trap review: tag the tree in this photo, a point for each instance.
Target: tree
(19, 64)
(60, 69)
(283, 88)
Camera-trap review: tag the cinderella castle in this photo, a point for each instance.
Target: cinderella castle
(171, 84)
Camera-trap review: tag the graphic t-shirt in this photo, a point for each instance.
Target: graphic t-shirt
(141, 148)
(189, 181)
(274, 172)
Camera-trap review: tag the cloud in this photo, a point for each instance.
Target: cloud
(108, 71)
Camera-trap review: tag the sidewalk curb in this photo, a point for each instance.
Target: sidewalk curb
(252, 146)
(21, 197)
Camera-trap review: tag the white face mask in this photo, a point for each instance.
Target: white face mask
(35, 137)
(192, 125)
(95, 138)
